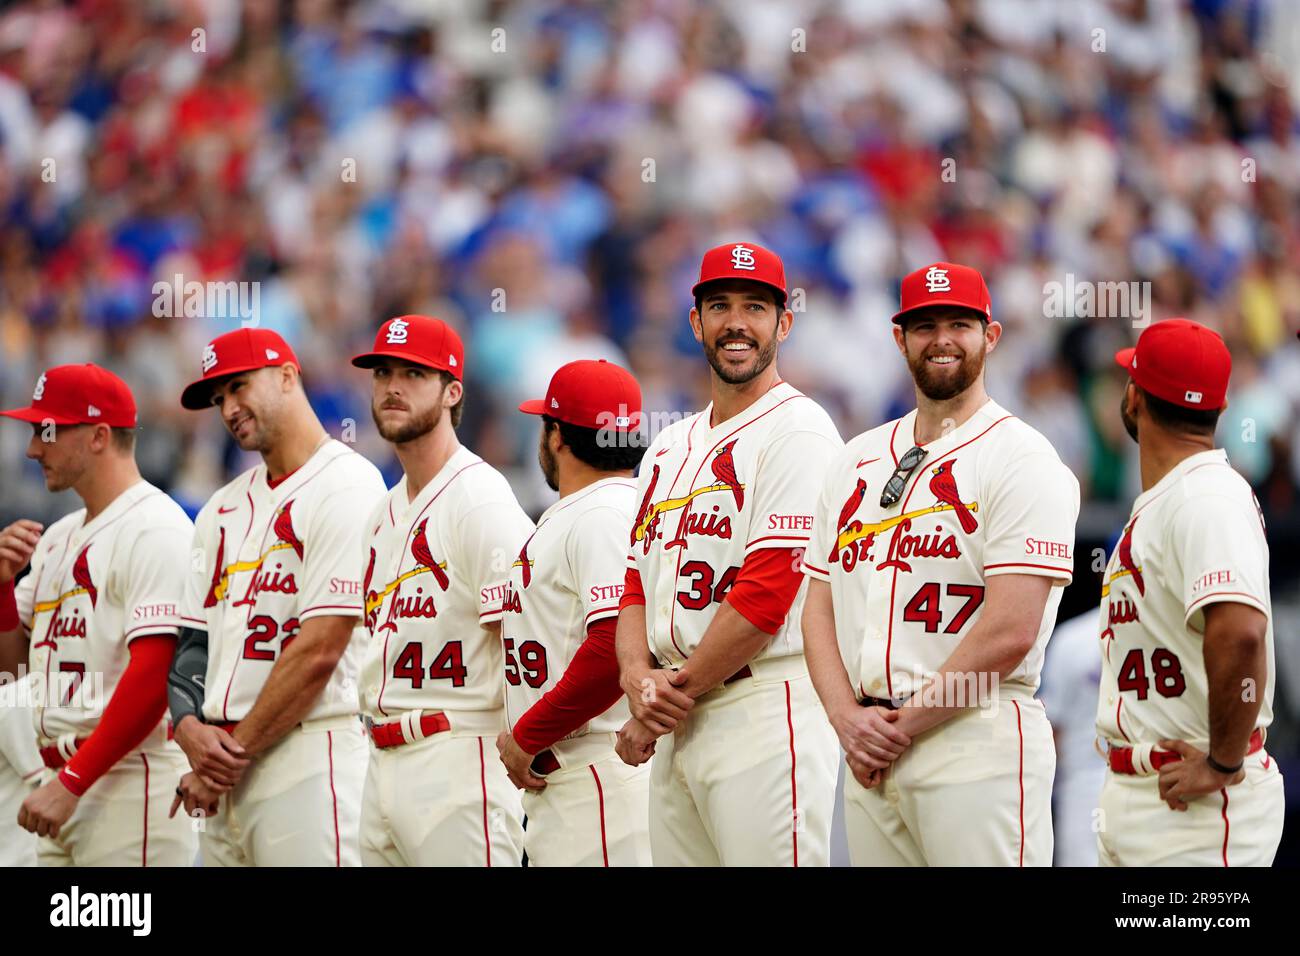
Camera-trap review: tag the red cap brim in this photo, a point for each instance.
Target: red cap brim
(371, 359)
(948, 303)
(39, 416)
(1124, 358)
(534, 406)
(198, 395)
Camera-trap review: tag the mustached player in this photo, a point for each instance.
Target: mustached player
(263, 688)
(1186, 629)
(437, 551)
(941, 546)
(585, 807)
(709, 642)
(100, 608)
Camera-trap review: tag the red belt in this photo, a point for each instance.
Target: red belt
(1121, 758)
(390, 734)
(53, 759)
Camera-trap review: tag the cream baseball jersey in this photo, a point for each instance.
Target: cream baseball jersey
(568, 575)
(435, 573)
(709, 496)
(908, 580)
(94, 586)
(267, 559)
(1195, 538)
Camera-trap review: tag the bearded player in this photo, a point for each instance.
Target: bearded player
(100, 604)
(709, 642)
(263, 687)
(585, 807)
(940, 549)
(1187, 629)
(437, 550)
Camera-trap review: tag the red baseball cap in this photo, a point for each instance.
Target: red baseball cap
(234, 352)
(944, 283)
(1180, 361)
(591, 394)
(79, 395)
(421, 339)
(742, 260)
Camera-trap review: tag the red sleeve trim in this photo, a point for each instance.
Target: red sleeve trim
(809, 566)
(766, 587)
(601, 612)
(1225, 596)
(632, 592)
(356, 610)
(777, 537)
(137, 705)
(588, 688)
(1022, 564)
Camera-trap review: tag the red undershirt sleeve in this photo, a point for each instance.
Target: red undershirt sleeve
(632, 591)
(9, 620)
(588, 688)
(766, 587)
(135, 708)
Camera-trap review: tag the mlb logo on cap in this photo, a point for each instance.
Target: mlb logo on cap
(591, 394)
(1182, 362)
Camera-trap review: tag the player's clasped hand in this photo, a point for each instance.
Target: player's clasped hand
(868, 735)
(212, 752)
(17, 542)
(518, 763)
(47, 808)
(196, 796)
(655, 700)
(636, 743)
(1191, 777)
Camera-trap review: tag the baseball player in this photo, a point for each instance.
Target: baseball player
(263, 688)
(709, 643)
(1186, 629)
(940, 547)
(437, 552)
(95, 621)
(20, 770)
(585, 807)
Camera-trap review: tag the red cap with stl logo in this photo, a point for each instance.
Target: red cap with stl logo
(239, 351)
(421, 339)
(742, 260)
(1180, 361)
(944, 283)
(591, 394)
(79, 395)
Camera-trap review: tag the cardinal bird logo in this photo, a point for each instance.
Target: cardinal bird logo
(1125, 554)
(944, 487)
(645, 503)
(81, 575)
(420, 551)
(369, 594)
(525, 563)
(724, 469)
(218, 573)
(284, 529)
(848, 511)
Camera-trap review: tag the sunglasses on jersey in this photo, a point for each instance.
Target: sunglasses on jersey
(898, 480)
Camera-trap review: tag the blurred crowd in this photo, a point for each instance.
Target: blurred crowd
(546, 174)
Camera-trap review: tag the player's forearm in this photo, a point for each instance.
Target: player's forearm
(1236, 668)
(634, 657)
(13, 651)
(995, 646)
(729, 643)
(294, 685)
(822, 651)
